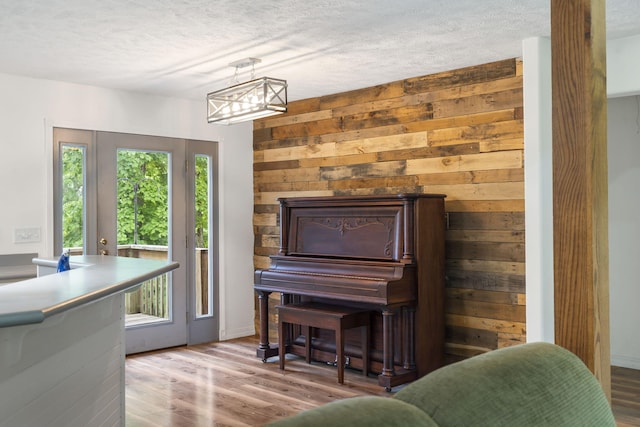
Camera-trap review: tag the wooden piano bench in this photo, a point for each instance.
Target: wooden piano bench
(325, 316)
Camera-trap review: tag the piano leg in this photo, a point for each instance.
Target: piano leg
(387, 374)
(409, 330)
(264, 349)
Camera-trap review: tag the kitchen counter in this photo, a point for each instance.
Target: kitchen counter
(91, 277)
(62, 335)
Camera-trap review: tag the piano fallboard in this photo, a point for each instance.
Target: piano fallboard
(380, 283)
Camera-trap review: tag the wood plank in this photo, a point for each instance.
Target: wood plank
(265, 219)
(481, 191)
(426, 152)
(368, 170)
(486, 309)
(354, 159)
(304, 151)
(469, 162)
(261, 262)
(382, 143)
(359, 96)
(495, 251)
(289, 187)
(486, 221)
(507, 340)
(507, 99)
(486, 281)
(479, 338)
(511, 298)
(464, 76)
(510, 129)
(467, 119)
(271, 198)
(386, 182)
(288, 119)
(464, 351)
(516, 206)
(263, 165)
(502, 144)
(287, 175)
(486, 323)
(580, 220)
(487, 265)
(270, 241)
(473, 177)
(334, 137)
(625, 395)
(391, 116)
(486, 235)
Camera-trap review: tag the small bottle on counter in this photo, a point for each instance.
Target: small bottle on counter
(63, 261)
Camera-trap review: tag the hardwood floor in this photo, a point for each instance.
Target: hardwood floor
(625, 396)
(224, 384)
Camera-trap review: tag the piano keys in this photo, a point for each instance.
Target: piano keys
(384, 253)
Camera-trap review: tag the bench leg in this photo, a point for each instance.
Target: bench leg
(365, 350)
(281, 343)
(307, 342)
(340, 354)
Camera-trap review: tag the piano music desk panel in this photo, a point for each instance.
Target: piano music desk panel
(458, 133)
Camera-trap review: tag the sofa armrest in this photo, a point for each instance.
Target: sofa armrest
(360, 412)
(537, 384)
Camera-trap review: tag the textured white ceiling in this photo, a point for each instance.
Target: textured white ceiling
(182, 48)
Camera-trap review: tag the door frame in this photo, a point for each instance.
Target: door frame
(203, 328)
(198, 329)
(172, 332)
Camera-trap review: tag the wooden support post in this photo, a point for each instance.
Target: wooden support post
(581, 249)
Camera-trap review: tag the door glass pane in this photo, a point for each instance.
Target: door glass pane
(143, 229)
(203, 285)
(73, 198)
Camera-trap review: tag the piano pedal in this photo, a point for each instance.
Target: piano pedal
(347, 362)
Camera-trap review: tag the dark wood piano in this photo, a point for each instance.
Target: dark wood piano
(383, 253)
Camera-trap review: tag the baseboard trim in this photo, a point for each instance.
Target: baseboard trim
(237, 333)
(625, 361)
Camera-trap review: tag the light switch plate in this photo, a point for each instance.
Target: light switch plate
(26, 235)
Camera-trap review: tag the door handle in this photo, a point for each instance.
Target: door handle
(103, 241)
(104, 252)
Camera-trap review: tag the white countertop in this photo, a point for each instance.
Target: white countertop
(91, 277)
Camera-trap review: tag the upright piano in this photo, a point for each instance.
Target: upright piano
(383, 253)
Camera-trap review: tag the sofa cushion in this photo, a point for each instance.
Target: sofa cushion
(536, 384)
(360, 412)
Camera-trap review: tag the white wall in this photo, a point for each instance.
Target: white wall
(623, 78)
(538, 189)
(624, 229)
(623, 64)
(30, 108)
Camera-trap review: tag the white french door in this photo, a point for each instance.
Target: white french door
(146, 197)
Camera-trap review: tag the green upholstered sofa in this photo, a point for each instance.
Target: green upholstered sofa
(536, 384)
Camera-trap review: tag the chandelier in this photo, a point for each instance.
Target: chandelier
(254, 99)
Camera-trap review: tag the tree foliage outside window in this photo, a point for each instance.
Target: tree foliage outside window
(202, 202)
(72, 196)
(143, 197)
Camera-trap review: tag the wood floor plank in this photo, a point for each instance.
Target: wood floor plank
(625, 396)
(225, 384)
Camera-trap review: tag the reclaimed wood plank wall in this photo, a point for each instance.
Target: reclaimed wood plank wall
(459, 133)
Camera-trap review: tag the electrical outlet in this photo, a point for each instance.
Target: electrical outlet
(26, 235)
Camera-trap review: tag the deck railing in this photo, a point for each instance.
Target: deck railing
(152, 297)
